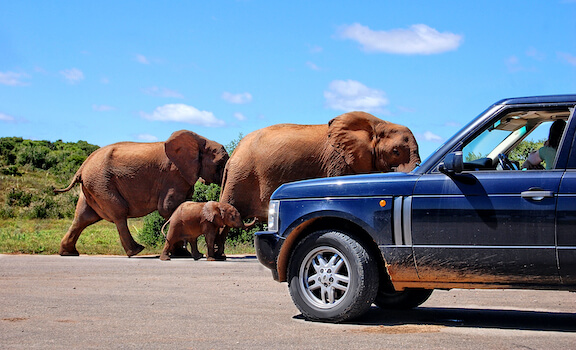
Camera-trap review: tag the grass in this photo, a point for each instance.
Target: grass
(42, 236)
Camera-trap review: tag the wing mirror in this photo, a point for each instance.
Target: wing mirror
(453, 163)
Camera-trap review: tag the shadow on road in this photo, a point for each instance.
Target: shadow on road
(229, 257)
(478, 318)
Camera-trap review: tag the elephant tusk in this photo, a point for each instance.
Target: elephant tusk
(250, 224)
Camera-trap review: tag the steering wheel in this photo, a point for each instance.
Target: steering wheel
(505, 163)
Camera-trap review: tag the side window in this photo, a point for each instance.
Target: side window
(517, 140)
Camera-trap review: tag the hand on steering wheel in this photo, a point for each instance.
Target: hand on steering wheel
(505, 163)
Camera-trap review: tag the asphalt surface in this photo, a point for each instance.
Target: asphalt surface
(53, 302)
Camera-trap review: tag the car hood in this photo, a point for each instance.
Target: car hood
(367, 185)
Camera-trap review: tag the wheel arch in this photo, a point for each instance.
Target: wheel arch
(327, 222)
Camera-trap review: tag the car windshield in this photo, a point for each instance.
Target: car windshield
(488, 141)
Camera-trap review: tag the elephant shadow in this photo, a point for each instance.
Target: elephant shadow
(433, 317)
(240, 257)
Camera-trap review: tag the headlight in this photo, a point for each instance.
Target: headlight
(273, 215)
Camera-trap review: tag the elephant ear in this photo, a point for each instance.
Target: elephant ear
(212, 213)
(183, 149)
(352, 136)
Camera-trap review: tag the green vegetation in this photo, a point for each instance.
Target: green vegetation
(520, 153)
(33, 219)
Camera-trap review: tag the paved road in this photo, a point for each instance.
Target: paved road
(51, 302)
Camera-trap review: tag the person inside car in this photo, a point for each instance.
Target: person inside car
(546, 153)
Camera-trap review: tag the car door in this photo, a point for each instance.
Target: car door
(493, 227)
(566, 211)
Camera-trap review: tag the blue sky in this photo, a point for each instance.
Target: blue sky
(109, 71)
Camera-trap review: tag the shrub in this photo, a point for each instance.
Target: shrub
(7, 212)
(151, 235)
(11, 170)
(205, 193)
(18, 198)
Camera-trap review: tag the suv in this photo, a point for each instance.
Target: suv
(470, 216)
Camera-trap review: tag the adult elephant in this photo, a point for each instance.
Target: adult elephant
(129, 179)
(352, 143)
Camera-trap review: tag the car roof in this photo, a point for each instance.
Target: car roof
(538, 99)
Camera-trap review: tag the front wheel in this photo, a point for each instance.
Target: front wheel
(332, 277)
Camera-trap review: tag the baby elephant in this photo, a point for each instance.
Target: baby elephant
(192, 219)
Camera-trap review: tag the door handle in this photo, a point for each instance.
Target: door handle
(537, 194)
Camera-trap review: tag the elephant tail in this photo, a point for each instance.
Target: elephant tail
(77, 179)
(163, 227)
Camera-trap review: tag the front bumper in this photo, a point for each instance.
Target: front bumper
(267, 245)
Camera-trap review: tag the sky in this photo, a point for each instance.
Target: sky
(110, 71)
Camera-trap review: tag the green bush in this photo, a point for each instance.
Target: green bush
(18, 198)
(11, 170)
(205, 193)
(151, 235)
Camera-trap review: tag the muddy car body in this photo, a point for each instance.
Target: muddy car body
(467, 217)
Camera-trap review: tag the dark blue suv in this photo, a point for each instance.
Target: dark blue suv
(475, 214)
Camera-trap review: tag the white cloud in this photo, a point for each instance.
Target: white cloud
(162, 92)
(72, 75)
(351, 95)
(184, 114)
(142, 59)
(315, 49)
(7, 118)
(12, 78)
(241, 98)
(146, 138)
(103, 108)
(568, 58)
(430, 136)
(419, 39)
(312, 65)
(513, 64)
(535, 54)
(240, 116)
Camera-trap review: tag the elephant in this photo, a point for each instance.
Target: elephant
(192, 219)
(130, 179)
(352, 143)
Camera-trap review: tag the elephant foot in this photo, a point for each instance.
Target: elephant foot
(198, 256)
(68, 252)
(216, 258)
(164, 257)
(133, 252)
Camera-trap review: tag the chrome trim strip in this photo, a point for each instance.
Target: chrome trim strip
(397, 221)
(484, 246)
(407, 220)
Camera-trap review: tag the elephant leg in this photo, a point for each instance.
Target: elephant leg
(220, 241)
(128, 243)
(166, 206)
(84, 217)
(166, 252)
(194, 249)
(210, 242)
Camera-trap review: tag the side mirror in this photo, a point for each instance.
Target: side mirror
(453, 163)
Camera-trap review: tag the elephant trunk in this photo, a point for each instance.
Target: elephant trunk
(413, 162)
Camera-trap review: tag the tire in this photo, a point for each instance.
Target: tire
(403, 300)
(332, 277)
